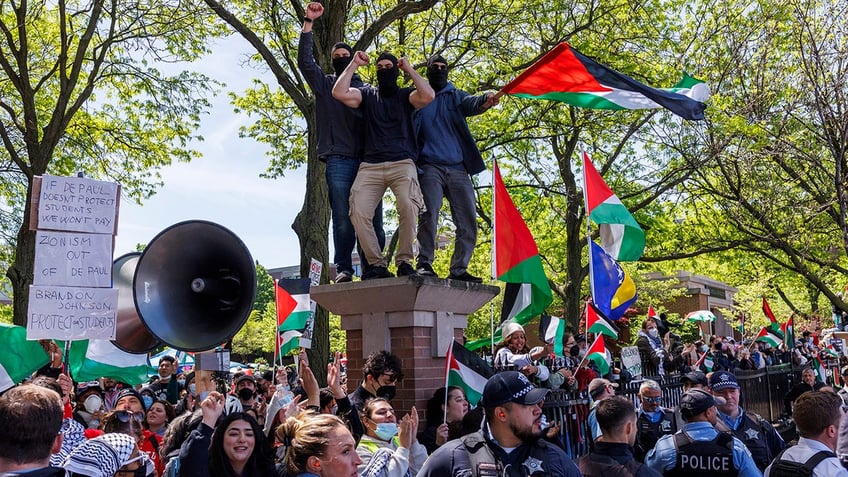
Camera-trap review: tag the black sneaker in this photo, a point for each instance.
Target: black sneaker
(426, 270)
(377, 272)
(404, 269)
(465, 277)
(344, 276)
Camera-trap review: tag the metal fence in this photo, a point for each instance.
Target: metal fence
(762, 393)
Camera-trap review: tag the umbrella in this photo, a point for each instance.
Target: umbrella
(700, 315)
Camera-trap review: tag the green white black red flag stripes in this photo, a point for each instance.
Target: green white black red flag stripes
(19, 358)
(468, 371)
(597, 353)
(551, 331)
(771, 335)
(598, 324)
(516, 260)
(92, 359)
(564, 74)
(293, 309)
(621, 236)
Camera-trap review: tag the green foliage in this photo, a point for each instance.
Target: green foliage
(264, 289)
(256, 337)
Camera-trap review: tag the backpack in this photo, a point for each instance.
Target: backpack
(784, 468)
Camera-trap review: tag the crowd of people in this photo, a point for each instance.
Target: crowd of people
(263, 426)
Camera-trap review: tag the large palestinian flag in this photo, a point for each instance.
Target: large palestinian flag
(564, 74)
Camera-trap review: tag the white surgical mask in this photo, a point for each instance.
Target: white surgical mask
(653, 332)
(92, 403)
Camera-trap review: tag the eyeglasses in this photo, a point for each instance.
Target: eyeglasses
(393, 377)
(652, 400)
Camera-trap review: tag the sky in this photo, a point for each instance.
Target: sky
(223, 186)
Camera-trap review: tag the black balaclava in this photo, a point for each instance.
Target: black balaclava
(339, 64)
(438, 78)
(387, 78)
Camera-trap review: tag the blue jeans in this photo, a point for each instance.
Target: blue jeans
(455, 185)
(340, 172)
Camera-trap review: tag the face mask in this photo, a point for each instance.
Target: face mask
(386, 430)
(438, 78)
(574, 351)
(704, 349)
(582, 352)
(653, 332)
(148, 401)
(92, 403)
(339, 64)
(192, 389)
(386, 392)
(181, 382)
(387, 81)
(244, 394)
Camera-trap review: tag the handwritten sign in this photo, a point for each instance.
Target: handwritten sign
(631, 361)
(76, 204)
(70, 313)
(315, 267)
(73, 259)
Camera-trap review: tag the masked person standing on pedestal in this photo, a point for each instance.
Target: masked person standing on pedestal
(339, 143)
(447, 157)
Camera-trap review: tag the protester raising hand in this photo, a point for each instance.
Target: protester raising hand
(212, 407)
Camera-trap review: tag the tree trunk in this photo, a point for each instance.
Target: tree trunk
(312, 226)
(21, 272)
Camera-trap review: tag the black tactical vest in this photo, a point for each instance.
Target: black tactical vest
(648, 433)
(703, 458)
(750, 432)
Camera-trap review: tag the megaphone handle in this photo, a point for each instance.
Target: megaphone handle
(67, 358)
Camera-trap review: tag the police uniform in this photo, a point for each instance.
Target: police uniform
(702, 454)
(758, 435)
(806, 448)
(650, 431)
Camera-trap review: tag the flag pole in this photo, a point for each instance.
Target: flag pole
(494, 259)
(448, 358)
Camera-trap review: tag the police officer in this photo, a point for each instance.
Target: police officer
(692, 379)
(509, 442)
(653, 421)
(699, 450)
(756, 433)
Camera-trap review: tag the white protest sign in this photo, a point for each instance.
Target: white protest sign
(76, 204)
(73, 259)
(315, 268)
(631, 361)
(71, 313)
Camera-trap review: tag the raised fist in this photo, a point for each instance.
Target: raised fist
(360, 58)
(314, 10)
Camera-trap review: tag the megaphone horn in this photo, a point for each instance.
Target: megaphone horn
(194, 285)
(130, 334)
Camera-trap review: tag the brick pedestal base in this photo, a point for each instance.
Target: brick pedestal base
(415, 318)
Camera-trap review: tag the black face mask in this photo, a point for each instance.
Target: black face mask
(386, 392)
(340, 63)
(245, 393)
(574, 351)
(438, 78)
(387, 81)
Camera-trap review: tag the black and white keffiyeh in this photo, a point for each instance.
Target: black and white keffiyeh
(101, 456)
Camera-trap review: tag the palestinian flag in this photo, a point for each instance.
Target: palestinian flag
(516, 260)
(769, 314)
(829, 352)
(551, 331)
(651, 312)
(613, 291)
(770, 335)
(597, 353)
(89, 360)
(788, 330)
(818, 367)
(706, 362)
(468, 371)
(293, 309)
(598, 324)
(287, 341)
(564, 74)
(19, 357)
(621, 236)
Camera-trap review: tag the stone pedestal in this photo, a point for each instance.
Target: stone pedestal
(415, 318)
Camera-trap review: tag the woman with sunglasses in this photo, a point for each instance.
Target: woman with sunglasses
(389, 444)
(233, 447)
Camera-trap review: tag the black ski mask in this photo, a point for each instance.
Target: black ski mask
(437, 74)
(387, 77)
(339, 64)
